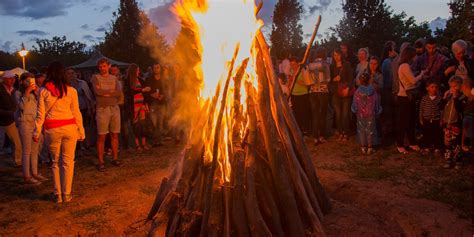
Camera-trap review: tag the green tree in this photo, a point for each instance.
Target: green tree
(9, 60)
(457, 27)
(57, 49)
(287, 32)
(121, 41)
(370, 23)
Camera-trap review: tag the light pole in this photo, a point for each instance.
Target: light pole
(23, 52)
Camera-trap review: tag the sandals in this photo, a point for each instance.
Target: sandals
(117, 163)
(402, 150)
(101, 167)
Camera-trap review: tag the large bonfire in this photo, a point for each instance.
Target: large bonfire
(246, 170)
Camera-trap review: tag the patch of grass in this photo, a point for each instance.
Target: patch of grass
(455, 191)
(86, 211)
(370, 170)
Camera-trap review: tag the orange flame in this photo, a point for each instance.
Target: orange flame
(219, 26)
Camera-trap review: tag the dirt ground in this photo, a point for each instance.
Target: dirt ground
(386, 194)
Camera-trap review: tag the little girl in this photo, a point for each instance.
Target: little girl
(366, 106)
(451, 121)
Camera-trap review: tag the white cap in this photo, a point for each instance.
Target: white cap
(8, 74)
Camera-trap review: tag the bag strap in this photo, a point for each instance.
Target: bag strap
(51, 107)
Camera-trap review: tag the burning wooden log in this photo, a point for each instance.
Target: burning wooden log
(246, 170)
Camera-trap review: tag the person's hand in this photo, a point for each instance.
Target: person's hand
(161, 97)
(36, 139)
(155, 95)
(30, 88)
(453, 92)
(449, 70)
(81, 137)
(146, 89)
(337, 78)
(446, 94)
(421, 122)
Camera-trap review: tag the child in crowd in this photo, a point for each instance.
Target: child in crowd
(468, 116)
(451, 122)
(366, 106)
(430, 119)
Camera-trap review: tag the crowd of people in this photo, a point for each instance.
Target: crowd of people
(421, 95)
(47, 114)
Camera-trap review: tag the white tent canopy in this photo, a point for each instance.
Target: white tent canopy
(92, 61)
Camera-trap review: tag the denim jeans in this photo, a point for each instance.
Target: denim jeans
(12, 133)
(157, 116)
(29, 148)
(342, 106)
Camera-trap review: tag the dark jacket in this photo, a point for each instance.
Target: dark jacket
(155, 85)
(7, 106)
(468, 62)
(346, 73)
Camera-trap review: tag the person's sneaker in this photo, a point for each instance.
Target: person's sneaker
(117, 163)
(363, 150)
(67, 198)
(322, 140)
(40, 177)
(425, 151)
(58, 199)
(32, 181)
(402, 150)
(458, 166)
(414, 148)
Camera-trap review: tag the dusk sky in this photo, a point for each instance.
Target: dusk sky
(87, 20)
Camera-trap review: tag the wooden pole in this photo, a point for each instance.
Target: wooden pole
(210, 176)
(306, 56)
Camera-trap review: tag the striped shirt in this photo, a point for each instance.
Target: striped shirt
(430, 109)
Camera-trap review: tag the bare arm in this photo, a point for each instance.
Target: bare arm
(40, 115)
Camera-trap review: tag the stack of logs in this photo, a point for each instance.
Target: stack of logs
(272, 189)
